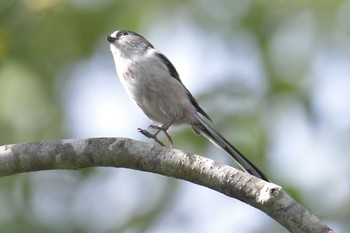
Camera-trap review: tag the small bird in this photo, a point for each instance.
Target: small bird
(153, 83)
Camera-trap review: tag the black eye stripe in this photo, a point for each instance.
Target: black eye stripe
(122, 33)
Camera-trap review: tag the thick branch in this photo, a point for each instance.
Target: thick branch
(121, 152)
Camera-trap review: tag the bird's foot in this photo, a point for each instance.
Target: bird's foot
(163, 129)
(150, 135)
(159, 129)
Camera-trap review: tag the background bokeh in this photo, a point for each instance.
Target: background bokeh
(273, 75)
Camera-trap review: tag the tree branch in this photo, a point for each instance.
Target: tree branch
(127, 153)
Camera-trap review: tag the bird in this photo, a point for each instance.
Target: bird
(153, 83)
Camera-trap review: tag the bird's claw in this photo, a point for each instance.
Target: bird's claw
(150, 135)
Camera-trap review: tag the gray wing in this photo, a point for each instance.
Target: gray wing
(176, 75)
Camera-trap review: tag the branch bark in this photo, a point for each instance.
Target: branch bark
(127, 153)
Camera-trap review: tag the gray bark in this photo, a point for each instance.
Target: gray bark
(127, 153)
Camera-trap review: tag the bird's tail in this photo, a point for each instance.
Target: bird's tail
(206, 130)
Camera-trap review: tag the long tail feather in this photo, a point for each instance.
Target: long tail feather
(206, 130)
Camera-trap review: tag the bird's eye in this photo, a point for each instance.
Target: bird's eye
(122, 33)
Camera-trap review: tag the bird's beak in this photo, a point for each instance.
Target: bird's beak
(111, 39)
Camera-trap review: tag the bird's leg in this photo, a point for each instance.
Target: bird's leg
(163, 129)
(159, 129)
(150, 135)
